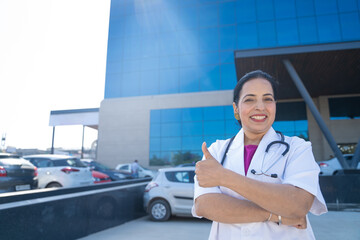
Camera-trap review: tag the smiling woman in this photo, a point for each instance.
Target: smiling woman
(263, 204)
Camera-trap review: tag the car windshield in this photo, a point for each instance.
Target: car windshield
(72, 162)
(101, 166)
(9, 156)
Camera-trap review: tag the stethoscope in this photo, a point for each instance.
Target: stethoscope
(273, 175)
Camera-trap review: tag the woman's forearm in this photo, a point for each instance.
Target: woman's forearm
(281, 199)
(226, 209)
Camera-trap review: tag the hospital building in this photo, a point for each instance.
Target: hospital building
(172, 65)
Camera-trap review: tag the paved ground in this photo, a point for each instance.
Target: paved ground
(344, 225)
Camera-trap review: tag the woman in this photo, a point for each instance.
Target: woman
(258, 195)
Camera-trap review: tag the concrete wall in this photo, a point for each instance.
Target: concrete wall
(124, 124)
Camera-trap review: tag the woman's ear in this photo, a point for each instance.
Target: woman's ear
(236, 112)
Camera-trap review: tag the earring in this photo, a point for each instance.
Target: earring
(237, 117)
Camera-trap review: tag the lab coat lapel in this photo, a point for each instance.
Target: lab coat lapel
(235, 156)
(256, 162)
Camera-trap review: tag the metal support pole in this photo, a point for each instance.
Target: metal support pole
(304, 93)
(82, 145)
(356, 157)
(52, 143)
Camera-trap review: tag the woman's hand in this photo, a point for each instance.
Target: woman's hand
(208, 171)
(299, 223)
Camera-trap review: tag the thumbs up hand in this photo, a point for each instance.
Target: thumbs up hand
(209, 170)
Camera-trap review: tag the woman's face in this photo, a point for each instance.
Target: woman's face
(256, 106)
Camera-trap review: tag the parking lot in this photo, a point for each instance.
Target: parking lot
(334, 225)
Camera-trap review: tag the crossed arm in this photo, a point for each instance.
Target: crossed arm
(288, 201)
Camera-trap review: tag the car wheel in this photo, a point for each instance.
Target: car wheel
(159, 210)
(54, 185)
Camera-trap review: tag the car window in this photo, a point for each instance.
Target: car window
(125, 167)
(41, 162)
(72, 162)
(180, 176)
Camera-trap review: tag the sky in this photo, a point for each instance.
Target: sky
(52, 57)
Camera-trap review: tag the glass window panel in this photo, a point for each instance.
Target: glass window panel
(169, 81)
(188, 18)
(284, 126)
(149, 83)
(170, 115)
(150, 46)
(228, 76)
(208, 15)
(154, 144)
(170, 144)
(132, 25)
(168, 62)
(155, 159)
(247, 36)
(267, 35)
(208, 59)
(329, 29)
(155, 130)
(325, 6)
(305, 8)
(287, 32)
(210, 78)
(130, 86)
(192, 143)
(307, 30)
(169, 44)
(227, 13)
(231, 127)
(285, 9)
(192, 128)
(343, 108)
(170, 129)
(132, 48)
(229, 112)
(113, 86)
(228, 38)
(188, 41)
(301, 126)
(350, 26)
(115, 50)
(189, 60)
(347, 5)
(155, 116)
(166, 157)
(116, 28)
(265, 10)
(192, 114)
(245, 11)
(208, 39)
(114, 67)
(212, 139)
(131, 65)
(150, 22)
(226, 57)
(149, 64)
(214, 113)
(189, 80)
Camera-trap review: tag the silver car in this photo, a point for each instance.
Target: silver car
(171, 192)
(331, 166)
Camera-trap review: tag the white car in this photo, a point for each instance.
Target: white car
(171, 192)
(60, 171)
(143, 172)
(331, 166)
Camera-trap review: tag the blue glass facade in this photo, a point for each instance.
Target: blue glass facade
(179, 133)
(176, 46)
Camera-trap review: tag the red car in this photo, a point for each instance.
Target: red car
(100, 177)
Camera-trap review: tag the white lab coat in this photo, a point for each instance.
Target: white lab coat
(297, 167)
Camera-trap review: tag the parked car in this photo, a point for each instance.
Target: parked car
(114, 174)
(171, 192)
(332, 166)
(143, 172)
(60, 171)
(100, 177)
(17, 174)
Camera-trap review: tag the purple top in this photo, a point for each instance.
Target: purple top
(249, 151)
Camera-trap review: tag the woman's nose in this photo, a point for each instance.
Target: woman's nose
(260, 105)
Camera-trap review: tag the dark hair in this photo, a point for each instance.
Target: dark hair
(252, 75)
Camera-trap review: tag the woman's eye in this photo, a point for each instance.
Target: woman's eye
(269, 99)
(248, 100)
